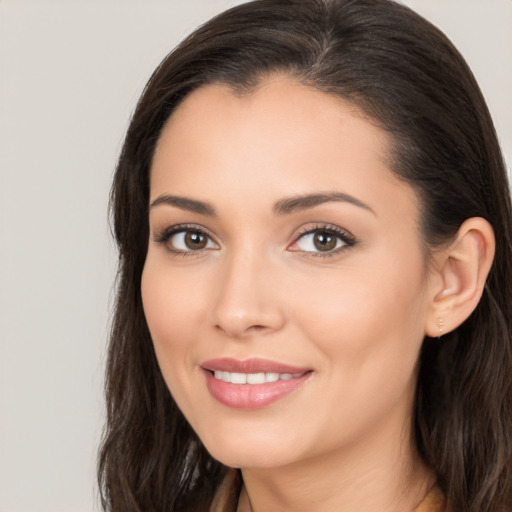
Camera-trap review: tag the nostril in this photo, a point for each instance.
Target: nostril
(251, 328)
(237, 321)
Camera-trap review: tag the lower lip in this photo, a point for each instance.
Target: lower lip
(252, 396)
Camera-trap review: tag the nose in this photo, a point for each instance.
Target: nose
(247, 299)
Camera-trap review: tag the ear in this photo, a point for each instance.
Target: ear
(460, 272)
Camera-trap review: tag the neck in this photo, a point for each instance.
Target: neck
(381, 473)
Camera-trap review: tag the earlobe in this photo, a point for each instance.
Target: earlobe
(462, 270)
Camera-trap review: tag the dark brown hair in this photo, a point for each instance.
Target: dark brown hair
(404, 74)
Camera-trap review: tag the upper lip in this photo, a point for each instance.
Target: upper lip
(255, 365)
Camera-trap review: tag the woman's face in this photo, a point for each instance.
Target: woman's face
(285, 287)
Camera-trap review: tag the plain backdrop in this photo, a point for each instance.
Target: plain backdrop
(70, 74)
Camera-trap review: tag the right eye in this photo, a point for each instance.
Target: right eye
(186, 240)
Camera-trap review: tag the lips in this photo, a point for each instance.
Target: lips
(253, 383)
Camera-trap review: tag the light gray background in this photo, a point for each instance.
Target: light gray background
(70, 74)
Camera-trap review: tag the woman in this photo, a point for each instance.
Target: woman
(314, 299)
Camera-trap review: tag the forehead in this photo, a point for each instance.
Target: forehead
(283, 138)
(279, 101)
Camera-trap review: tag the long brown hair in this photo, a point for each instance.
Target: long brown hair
(404, 74)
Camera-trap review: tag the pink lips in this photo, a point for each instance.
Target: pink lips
(252, 396)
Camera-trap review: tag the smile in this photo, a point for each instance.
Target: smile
(253, 383)
(253, 378)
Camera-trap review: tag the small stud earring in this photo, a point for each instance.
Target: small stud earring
(440, 324)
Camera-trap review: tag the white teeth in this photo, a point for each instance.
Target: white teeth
(225, 376)
(238, 378)
(253, 378)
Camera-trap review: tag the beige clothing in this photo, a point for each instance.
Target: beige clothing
(434, 502)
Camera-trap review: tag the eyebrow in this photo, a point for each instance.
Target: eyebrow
(185, 203)
(282, 207)
(299, 203)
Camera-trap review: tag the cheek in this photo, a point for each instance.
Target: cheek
(368, 318)
(369, 331)
(171, 307)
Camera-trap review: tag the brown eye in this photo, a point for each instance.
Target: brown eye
(324, 241)
(195, 240)
(186, 240)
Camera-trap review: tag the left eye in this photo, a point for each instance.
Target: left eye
(321, 240)
(190, 240)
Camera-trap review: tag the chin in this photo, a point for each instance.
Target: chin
(244, 453)
(256, 460)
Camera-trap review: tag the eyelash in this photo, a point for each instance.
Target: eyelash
(163, 237)
(347, 238)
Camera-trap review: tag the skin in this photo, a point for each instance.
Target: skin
(356, 316)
